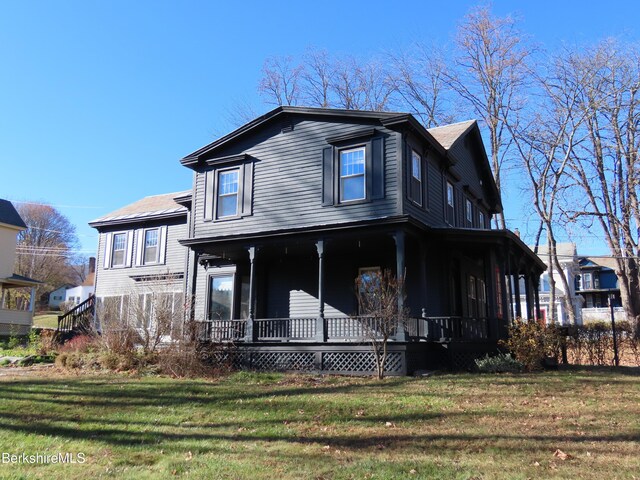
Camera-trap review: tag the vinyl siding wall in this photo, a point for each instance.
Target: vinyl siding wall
(287, 181)
(117, 281)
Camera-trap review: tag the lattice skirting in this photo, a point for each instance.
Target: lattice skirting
(360, 362)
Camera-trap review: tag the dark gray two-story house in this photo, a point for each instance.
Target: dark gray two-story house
(286, 211)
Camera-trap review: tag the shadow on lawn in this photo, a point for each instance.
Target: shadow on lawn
(101, 411)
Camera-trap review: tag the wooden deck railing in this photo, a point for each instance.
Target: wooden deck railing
(447, 328)
(350, 329)
(79, 317)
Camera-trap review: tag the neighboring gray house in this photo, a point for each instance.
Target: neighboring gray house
(139, 257)
(286, 211)
(58, 296)
(16, 306)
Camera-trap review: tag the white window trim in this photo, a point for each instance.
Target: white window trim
(468, 210)
(419, 200)
(363, 174)
(453, 195)
(216, 194)
(108, 251)
(226, 272)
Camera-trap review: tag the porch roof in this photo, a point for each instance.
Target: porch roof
(17, 281)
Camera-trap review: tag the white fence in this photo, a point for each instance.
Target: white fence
(603, 314)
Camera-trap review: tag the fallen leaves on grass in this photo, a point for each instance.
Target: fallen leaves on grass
(561, 455)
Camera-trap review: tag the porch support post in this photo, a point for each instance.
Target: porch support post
(529, 283)
(321, 331)
(492, 280)
(32, 299)
(249, 331)
(528, 294)
(401, 331)
(516, 291)
(536, 293)
(2, 292)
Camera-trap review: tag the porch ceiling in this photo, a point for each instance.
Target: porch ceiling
(18, 281)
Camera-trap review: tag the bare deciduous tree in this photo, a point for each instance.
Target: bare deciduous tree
(418, 77)
(545, 144)
(490, 75)
(381, 314)
(45, 251)
(605, 168)
(280, 82)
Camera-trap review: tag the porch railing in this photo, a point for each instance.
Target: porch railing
(349, 329)
(79, 317)
(447, 328)
(285, 329)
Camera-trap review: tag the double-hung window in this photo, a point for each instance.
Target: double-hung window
(352, 174)
(468, 210)
(227, 195)
(481, 221)
(450, 208)
(118, 249)
(151, 250)
(415, 189)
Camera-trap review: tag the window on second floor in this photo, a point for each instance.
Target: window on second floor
(352, 175)
(468, 212)
(227, 193)
(353, 169)
(228, 187)
(450, 207)
(481, 219)
(586, 281)
(118, 249)
(151, 250)
(415, 187)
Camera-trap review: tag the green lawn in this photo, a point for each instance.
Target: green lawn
(47, 320)
(270, 426)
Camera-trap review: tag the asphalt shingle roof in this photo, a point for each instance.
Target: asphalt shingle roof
(9, 215)
(146, 207)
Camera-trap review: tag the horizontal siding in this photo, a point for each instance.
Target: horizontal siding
(287, 182)
(117, 281)
(432, 213)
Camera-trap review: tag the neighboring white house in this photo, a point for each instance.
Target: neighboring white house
(16, 308)
(79, 294)
(568, 258)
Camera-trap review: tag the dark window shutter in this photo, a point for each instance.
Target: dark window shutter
(327, 176)
(209, 195)
(377, 168)
(248, 188)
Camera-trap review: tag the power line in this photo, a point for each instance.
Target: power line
(54, 205)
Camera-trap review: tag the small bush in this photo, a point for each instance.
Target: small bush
(80, 343)
(500, 363)
(531, 343)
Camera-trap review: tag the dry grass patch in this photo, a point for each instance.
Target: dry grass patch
(568, 424)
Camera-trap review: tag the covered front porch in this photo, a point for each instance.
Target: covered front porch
(296, 291)
(17, 303)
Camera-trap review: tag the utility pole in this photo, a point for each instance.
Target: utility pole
(616, 360)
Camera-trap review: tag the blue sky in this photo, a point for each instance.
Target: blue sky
(100, 100)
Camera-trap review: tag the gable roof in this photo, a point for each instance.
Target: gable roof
(442, 139)
(148, 208)
(604, 262)
(565, 250)
(448, 135)
(10, 216)
(193, 157)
